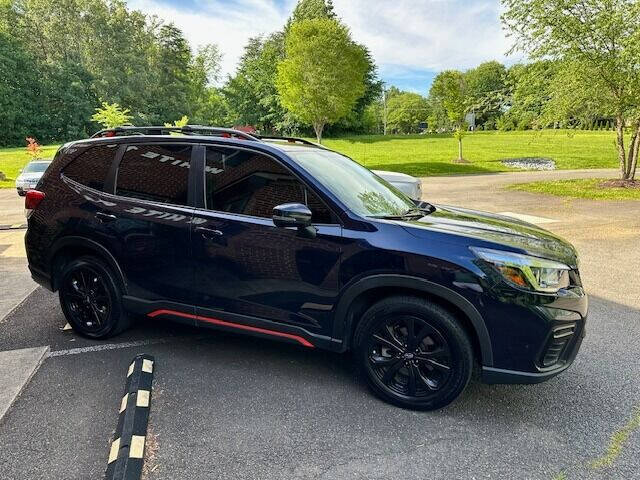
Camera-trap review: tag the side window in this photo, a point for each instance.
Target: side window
(157, 173)
(248, 183)
(91, 167)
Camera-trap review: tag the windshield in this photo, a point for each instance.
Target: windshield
(36, 167)
(359, 189)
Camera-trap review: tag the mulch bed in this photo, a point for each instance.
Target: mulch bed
(619, 184)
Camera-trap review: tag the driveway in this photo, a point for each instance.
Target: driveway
(227, 406)
(15, 280)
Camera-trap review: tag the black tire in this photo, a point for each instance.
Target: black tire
(426, 371)
(90, 297)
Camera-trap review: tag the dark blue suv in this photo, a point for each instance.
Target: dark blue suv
(281, 238)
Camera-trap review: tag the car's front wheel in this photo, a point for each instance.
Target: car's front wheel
(413, 353)
(90, 298)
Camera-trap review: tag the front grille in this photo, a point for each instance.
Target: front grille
(558, 341)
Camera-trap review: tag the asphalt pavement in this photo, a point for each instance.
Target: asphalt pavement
(227, 406)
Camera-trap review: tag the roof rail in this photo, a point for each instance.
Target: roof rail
(186, 130)
(291, 140)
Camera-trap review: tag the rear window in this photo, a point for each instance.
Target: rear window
(91, 167)
(156, 173)
(36, 167)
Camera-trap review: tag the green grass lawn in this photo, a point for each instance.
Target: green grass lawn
(581, 188)
(12, 160)
(424, 155)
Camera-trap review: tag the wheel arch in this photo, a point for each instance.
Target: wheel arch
(71, 247)
(364, 292)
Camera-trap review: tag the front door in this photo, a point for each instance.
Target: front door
(247, 266)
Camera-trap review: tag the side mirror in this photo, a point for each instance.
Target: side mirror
(291, 215)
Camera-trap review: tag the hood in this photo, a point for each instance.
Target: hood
(395, 176)
(30, 177)
(496, 229)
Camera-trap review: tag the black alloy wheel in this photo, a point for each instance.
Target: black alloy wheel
(410, 357)
(90, 298)
(413, 353)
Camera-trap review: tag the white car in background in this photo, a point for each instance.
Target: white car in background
(30, 176)
(410, 186)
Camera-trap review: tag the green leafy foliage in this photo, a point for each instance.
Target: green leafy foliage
(61, 58)
(312, 9)
(111, 115)
(405, 112)
(487, 90)
(598, 45)
(322, 76)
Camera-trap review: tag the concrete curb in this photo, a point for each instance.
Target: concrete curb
(126, 456)
(17, 367)
(15, 307)
(15, 226)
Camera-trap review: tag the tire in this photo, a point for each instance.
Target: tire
(426, 371)
(90, 297)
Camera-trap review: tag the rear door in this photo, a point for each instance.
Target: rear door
(249, 267)
(147, 222)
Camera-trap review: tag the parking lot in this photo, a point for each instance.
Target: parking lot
(227, 406)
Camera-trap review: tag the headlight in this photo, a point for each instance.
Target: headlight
(524, 271)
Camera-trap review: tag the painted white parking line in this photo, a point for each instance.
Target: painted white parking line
(529, 218)
(16, 369)
(109, 346)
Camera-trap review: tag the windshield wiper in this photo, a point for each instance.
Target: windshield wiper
(421, 210)
(411, 213)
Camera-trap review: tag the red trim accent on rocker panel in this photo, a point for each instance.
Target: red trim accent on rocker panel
(239, 326)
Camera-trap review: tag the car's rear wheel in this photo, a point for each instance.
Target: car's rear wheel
(413, 353)
(90, 297)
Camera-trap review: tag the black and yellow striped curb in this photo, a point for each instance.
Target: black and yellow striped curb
(126, 455)
(14, 226)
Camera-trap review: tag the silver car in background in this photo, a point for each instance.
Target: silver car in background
(30, 176)
(410, 186)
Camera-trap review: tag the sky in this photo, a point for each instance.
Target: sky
(410, 40)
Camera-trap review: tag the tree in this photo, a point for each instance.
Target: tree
(322, 76)
(311, 10)
(600, 39)
(205, 100)
(172, 64)
(111, 115)
(486, 86)
(405, 112)
(251, 94)
(528, 88)
(449, 92)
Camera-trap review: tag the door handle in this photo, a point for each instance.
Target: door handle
(208, 233)
(105, 217)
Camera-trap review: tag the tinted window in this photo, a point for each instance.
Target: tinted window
(92, 166)
(157, 173)
(249, 183)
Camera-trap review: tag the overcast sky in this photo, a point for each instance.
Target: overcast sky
(411, 40)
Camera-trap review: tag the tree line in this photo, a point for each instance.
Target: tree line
(60, 59)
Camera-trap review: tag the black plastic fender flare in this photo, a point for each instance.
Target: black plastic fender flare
(83, 242)
(342, 326)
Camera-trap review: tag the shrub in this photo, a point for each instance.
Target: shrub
(34, 150)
